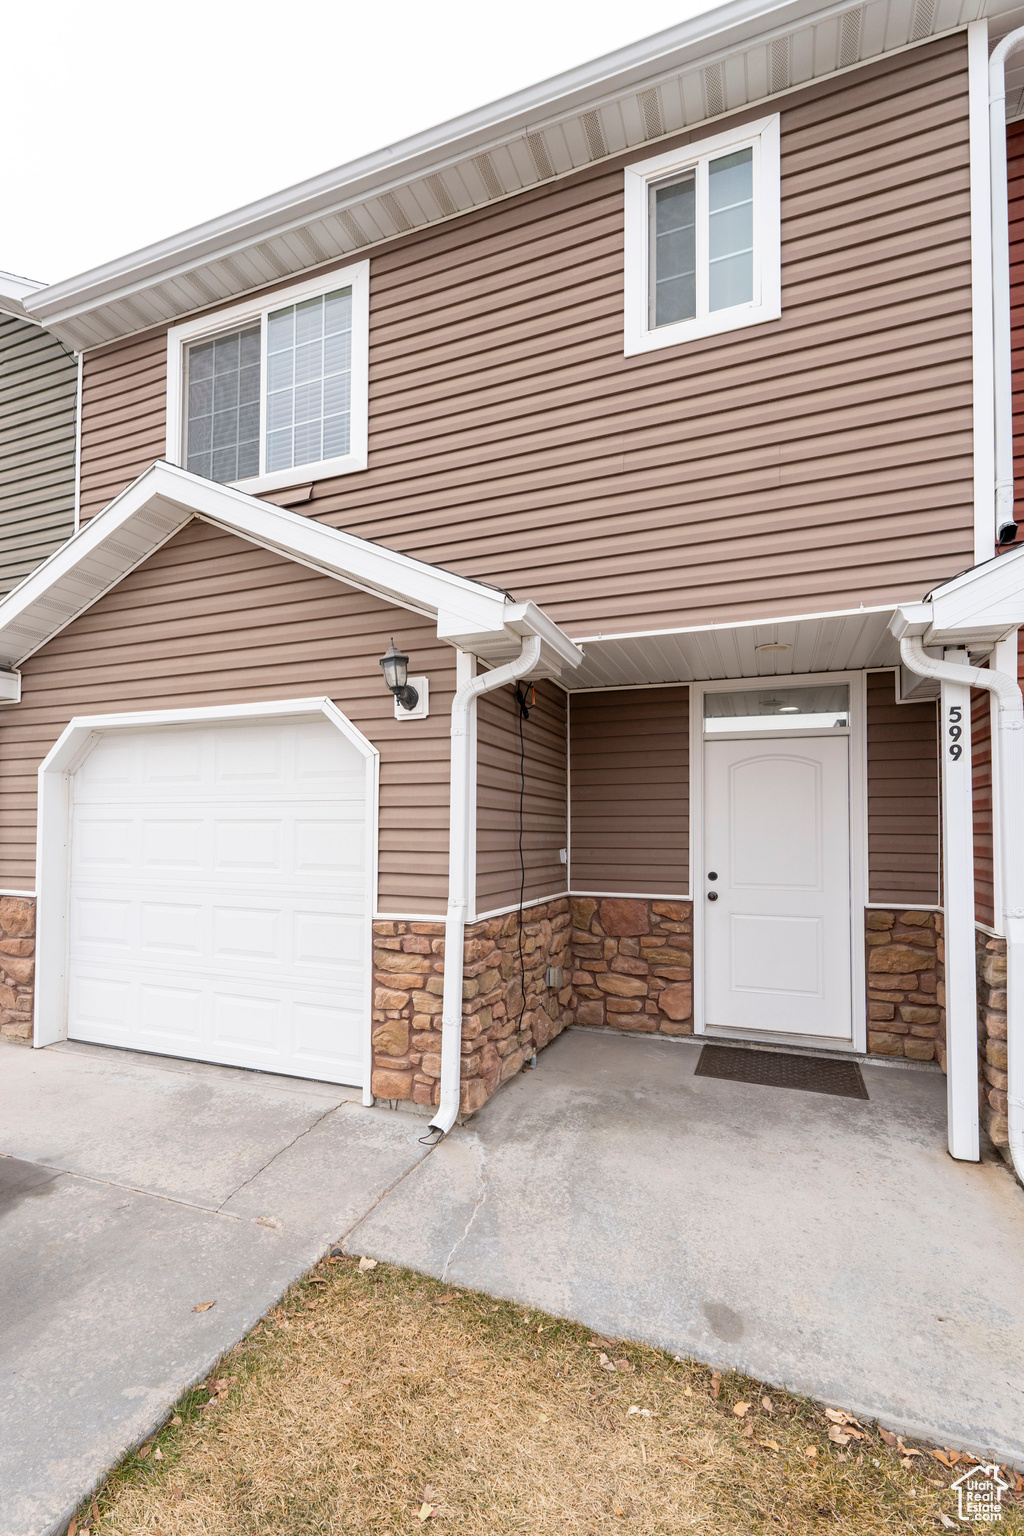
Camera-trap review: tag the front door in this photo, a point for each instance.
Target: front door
(776, 886)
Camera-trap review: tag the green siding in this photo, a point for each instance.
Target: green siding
(38, 385)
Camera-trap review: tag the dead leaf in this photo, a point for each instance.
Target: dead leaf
(204, 1306)
(941, 1456)
(177, 1421)
(739, 1409)
(906, 1463)
(542, 1418)
(604, 1362)
(95, 1510)
(748, 1429)
(837, 1436)
(365, 1264)
(144, 1450)
(624, 1365)
(811, 1452)
(890, 1439)
(72, 1526)
(766, 1404)
(177, 1493)
(158, 1454)
(635, 1408)
(771, 1445)
(947, 1523)
(426, 1510)
(716, 1383)
(430, 1495)
(687, 1391)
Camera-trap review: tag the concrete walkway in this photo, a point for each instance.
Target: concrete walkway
(132, 1189)
(828, 1245)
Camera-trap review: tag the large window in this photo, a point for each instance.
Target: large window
(269, 394)
(702, 239)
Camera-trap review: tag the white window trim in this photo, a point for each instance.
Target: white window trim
(179, 337)
(761, 136)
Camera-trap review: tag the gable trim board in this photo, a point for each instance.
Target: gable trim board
(54, 841)
(164, 498)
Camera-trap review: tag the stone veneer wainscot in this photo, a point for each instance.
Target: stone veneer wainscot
(499, 1033)
(17, 965)
(906, 985)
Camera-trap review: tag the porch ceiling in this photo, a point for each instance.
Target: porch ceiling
(831, 642)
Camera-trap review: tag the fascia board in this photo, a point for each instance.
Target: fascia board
(728, 25)
(528, 619)
(985, 596)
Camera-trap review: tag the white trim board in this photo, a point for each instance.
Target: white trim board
(53, 827)
(165, 497)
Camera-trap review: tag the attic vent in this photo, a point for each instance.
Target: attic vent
(778, 64)
(541, 159)
(849, 37)
(235, 273)
(312, 245)
(139, 318)
(439, 192)
(595, 135)
(714, 89)
(125, 551)
(924, 16)
(352, 229)
(389, 202)
(488, 175)
(203, 289)
(266, 253)
(650, 107)
(1014, 106)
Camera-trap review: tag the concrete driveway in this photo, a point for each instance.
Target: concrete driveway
(132, 1189)
(828, 1245)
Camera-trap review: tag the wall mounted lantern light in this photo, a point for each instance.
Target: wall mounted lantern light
(395, 667)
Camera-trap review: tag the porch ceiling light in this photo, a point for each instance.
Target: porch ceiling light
(772, 645)
(395, 667)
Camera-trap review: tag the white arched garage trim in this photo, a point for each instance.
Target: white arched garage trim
(54, 826)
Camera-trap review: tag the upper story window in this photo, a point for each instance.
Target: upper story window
(702, 238)
(271, 393)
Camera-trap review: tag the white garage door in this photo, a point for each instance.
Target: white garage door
(219, 903)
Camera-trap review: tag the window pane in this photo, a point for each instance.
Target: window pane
(773, 709)
(673, 252)
(731, 230)
(223, 427)
(309, 380)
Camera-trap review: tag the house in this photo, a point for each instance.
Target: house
(652, 426)
(38, 416)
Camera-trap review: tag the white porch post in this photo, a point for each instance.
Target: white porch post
(958, 898)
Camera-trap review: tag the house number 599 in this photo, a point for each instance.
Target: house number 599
(955, 731)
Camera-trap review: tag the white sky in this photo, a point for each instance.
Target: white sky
(127, 120)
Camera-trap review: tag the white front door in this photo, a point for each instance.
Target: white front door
(776, 886)
(218, 897)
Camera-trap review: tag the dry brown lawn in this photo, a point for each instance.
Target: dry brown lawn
(375, 1402)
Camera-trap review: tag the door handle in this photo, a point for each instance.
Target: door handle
(712, 895)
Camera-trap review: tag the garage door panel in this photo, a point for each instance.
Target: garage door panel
(219, 906)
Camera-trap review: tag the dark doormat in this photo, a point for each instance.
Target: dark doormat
(814, 1074)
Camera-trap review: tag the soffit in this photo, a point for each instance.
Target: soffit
(693, 74)
(838, 642)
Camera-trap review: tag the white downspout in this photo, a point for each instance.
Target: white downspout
(460, 842)
(1009, 744)
(1001, 358)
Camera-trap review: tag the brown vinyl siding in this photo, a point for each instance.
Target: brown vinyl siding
(903, 797)
(630, 791)
(124, 417)
(498, 875)
(185, 630)
(38, 392)
(511, 440)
